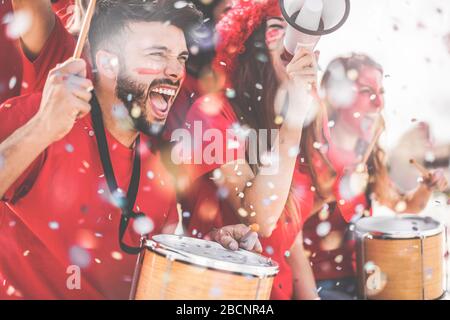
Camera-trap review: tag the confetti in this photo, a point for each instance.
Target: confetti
(400, 206)
(215, 292)
(278, 120)
(143, 225)
(338, 258)
(150, 174)
(186, 214)
(222, 192)
(323, 228)
(18, 23)
(69, 148)
(242, 212)
(230, 93)
(12, 83)
(269, 250)
(53, 225)
(79, 256)
(26, 253)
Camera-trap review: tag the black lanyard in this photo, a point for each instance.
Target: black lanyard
(126, 203)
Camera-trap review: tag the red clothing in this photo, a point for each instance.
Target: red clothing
(61, 214)
(19, 75)
(59, 47)
(188, 94)
(208, 208)
(10, 60)
(332, 251)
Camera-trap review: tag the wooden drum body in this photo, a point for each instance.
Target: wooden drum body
(400, 258)
(181, 268)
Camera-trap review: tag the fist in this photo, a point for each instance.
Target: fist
(236, 236)
(436, 180)
(65, 98)
(302, 70)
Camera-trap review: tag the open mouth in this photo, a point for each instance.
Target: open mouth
(160, 99)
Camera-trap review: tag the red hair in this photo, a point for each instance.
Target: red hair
(235, 28)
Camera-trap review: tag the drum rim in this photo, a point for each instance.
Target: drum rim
(406, 235)
(210, 263)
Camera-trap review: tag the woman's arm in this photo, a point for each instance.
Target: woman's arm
(303, 277)
(261, 198)
(414, 201)
(42, 23)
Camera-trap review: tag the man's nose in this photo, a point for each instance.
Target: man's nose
(174, 70)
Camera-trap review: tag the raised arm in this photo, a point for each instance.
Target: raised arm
(66, 94)
(42, 23)
(261, 198)
(414, 201)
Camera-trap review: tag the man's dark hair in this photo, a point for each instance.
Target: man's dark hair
(112, 17)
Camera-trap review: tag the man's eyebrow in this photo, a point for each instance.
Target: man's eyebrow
(157, 48)
(184, 53)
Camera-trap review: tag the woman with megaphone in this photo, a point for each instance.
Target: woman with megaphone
(259, 87)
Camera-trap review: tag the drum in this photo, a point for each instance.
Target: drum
(177, 268)
(400, 258)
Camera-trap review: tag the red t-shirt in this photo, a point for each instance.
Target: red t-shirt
(59, 47)
(10, 60)
(207, 203)
(188, 94)
(19, 75)
(326, 236)
(61, 214)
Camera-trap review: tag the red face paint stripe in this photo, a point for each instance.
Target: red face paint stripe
(146, 71)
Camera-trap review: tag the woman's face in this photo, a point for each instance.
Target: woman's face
(361, 115)
(275, 30)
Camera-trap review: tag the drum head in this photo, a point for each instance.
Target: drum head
(211, 254)
(398, 227)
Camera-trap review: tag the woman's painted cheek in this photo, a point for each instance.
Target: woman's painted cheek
(273, 35)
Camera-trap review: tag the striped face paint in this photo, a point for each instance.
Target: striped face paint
(147, 71)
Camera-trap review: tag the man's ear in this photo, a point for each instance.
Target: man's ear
(107, 64)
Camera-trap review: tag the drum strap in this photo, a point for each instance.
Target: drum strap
(126, 203)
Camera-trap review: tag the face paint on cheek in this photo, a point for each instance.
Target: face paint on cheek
(147, 71)
(273, 36)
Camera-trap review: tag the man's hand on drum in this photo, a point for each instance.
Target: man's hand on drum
(236, 236)
(436, 180)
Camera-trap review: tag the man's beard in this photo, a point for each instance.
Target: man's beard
(135, 95)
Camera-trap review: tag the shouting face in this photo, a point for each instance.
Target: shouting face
(151, 71)
(361, 115)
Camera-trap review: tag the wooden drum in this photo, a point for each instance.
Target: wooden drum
(400, 258)
(177, 268)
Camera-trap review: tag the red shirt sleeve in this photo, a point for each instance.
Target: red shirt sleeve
(14, 114)
(211, 138)
(59, 47)
(10, 60)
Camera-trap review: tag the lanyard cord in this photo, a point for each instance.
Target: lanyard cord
(126, 203)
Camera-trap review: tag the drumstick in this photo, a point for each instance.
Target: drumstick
(84, 29)
(420, 168)
(372, 144)
(179, 230)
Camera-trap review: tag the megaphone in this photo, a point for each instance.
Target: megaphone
(308, 20)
